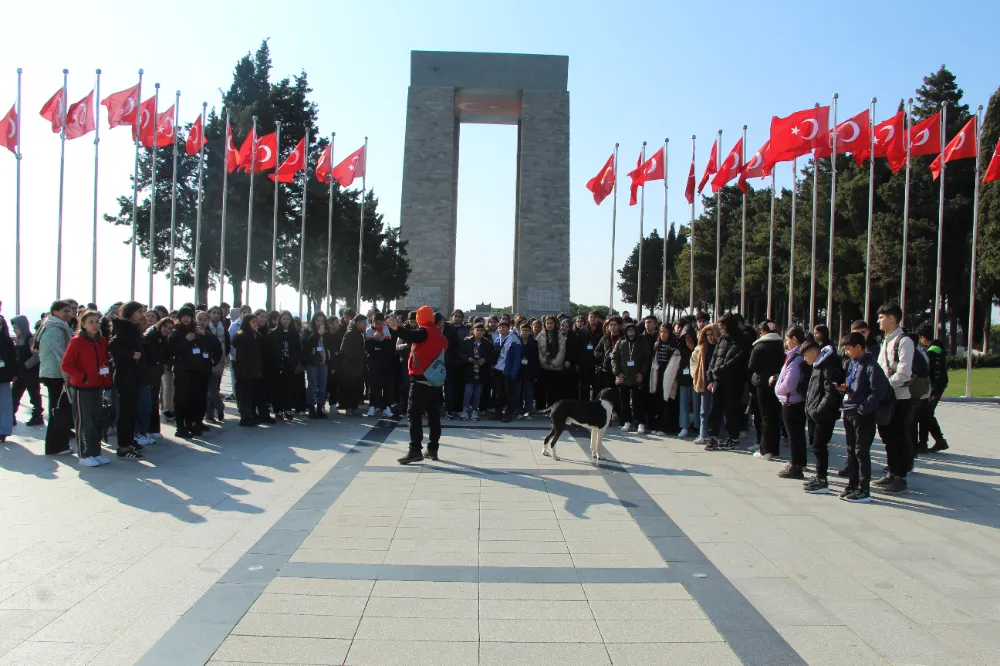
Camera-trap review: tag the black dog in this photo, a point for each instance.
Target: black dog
(593, 414)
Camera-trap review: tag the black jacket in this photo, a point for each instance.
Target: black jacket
(126, 339)
(729, 363)
(8, 355)
(210, 345)
(352, 353)
(467, 353)
(249, 355)
(381, 354)
(312, 355)
(283, 349)
(185, 355)
(604, 350)
(938, 367)
(156, 354)
(867, 388)
(823, 400)
(767, 356)
(588, 338)
(455, 335)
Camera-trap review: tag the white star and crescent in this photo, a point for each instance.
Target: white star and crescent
(815, 125)
(755, 161)
(13, 128)
(922, 137)
(267, 151)
(652, 165)
(961, 142)
(857, 131)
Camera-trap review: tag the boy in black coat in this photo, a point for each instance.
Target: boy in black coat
(822, 407)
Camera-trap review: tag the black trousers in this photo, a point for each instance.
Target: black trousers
(188, 404)
(154, 414)
(53, 387)
(379, 385)
(128, 408)
(896, 436)
(820, 434)
(283, 391)
(251, 398)
(424, 399)
(27, 383)
(860, 432)
(548, 391)
(794, 417)
(456, 375)
(926, 420)
(727, 402)
(589, 385)
(633, 404)
(770, 420)
(350, 391)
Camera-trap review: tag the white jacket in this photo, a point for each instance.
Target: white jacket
(896, 361)
(669, 375)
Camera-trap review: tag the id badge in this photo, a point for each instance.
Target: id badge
(590, 347)
(630, 363)
(204, 355)
(319, 348)
(686, 371)
(524, 361)
(103, 371)
(196, 350)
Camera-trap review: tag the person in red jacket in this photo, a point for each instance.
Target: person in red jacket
(86, 363)
(428, 342)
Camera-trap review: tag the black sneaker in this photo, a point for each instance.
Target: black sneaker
(883, 482)
(843, 472)
(896, 486)
(412, 457)
(37, 421)
(816, 486)
(712, 444)
(431, 455)
(728, 444)
(847, 491)
(129, 453)
(791, 471)
(937, 448)
(248, 423)
(858, 497)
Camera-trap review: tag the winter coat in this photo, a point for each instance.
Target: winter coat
(283, 350)
(604, 351)
(126, 340)
(867, 387)
(793, 379)
(589, 338)
(767, 356)
(221, 333)
(84, 361)
(471, 350)
(8, 355)
(185, 355)
(663, 376)
(352, 353)
(701, 380)
(822, 398)
(27, 358)
(684, 378)
(574, 351)
(507, 354)
(729, 362)
(938, 367)
(630, 358)
(546, 358)
(249, 350)
(455, 335)
(531, 365)
(380, 354)
(896, 360)
(212, 353)
(317, 349)
(53, 339)
(234, 328)
(156, 354)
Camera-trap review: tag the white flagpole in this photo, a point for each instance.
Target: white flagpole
(302, 233)
(642, 208)
(770, 251)
(97, 139)
(274, 232)
(691, 244)
(833, 214)
(666, 191)
(791, 255)
(812, 272)
(972, 268)
(614, 220)
(173, 205)
(906, 208)
(62, 170)
(201, 194)
(135, 180)
(361, 230)
(871, 210)
(718, 230)
(940, 238)
(17, 204)
(253, 166)
(225, 197)
(329, 229)
(743, 234)
(152, 198)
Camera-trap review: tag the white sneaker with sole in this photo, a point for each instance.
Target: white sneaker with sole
(686, 432)
(89, 462)
(102, 460)
(475, 414)
(371, 411)
(626, 427)
(387, 413)
(642, 429)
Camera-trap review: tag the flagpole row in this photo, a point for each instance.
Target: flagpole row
(201, 195)
(666, 191)
(812, 272)
(253, 167)
(833, 214)
(906, 206)
(137, 124)
(614, 219)
(329, 230)
(64, 107)
(940, 236)
(972, 267)
(17, 203)
(97, 140)
(274, 232)
(361, 229)
(871, 211)
(642, 207)
(173, 205)
(225, 197)
(770, 251)
(691, 244)
(791, 254)
(743, 234)
(718, 230)
(302, 233)
(152, 198)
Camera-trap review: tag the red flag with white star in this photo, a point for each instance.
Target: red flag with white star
(196, 138)
(962, 146)
(853, 137)
(757, 167)
(52, 111)
(121, 106)
(351, 168)
(731, 167)
(294, 163)
(993, 170)
(80, 118)
(796, 135)
(10, 130)
(712, 167)
(603, 183)
(324, 172)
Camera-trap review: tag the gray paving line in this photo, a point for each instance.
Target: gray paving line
(195, 637)
(476, 574)
(754, 640)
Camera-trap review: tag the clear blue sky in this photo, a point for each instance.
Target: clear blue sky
(637, 71)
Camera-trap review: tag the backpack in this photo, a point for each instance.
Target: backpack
(436, 372)
(920, 384)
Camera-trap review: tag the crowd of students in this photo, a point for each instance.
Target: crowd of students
(129, 368)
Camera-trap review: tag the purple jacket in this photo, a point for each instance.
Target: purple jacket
(787, 385)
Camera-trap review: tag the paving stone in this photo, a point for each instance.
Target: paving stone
(418, 629)
(425, 589)
(535, 609)
(297, 626)
(550, 654)
(539, 631)
(548, 591)
(412, 653)
(283, 650)
(668, 654)
(646, 609)
(309, 604)
(423, 608)
(36, 653)
(658, 631)
(831, 646)
(321, 587)
(635, 591)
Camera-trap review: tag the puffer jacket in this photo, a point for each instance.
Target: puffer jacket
(126, 340)
(547, 360)
(730, 360)
(156, 354)
(823, 400)
(53, 338)
(630, 359)
(767, 355)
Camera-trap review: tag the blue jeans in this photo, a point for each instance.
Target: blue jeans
(702, 408)
(685, 407)
(145, 407)
(526, 389)
(6, 409)
(215, 406)
(316, 375)
(473, 392)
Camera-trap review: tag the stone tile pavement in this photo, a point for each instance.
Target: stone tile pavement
(306, 543)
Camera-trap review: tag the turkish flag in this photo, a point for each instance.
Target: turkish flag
(260, 154)
(603, 183)
(232, 155)
(757, 167)
(80, 118)
(294, 163)
(960, 147)
(145, 124)
(324, 172)
(651, 169)
(711, 167)
(246, 150)
(10, 130)
(53, 110)
(796, 135)
(992, 171)
(121, 107)
(853, 136)
(633, 189)
(889, 141)
(166, 132)
(196, 138)
(925, 136)
(352, 167)
(731, 167)
(689, 189)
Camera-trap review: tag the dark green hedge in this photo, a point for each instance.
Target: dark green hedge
(978, 361)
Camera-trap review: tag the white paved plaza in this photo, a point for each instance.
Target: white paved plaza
(306, 543)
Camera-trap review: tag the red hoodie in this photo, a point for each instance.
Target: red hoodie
(427, 342)
(86, 362)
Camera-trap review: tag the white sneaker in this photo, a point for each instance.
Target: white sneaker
(146, 440)
(387, 412)
(626, 427)
(475, 414)
(758, 454)
(686, 432)
(371, 411)
(156, 435)
(464, 416)
(102, 460)
(89, 462)
(642, 429)
(67, 452)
